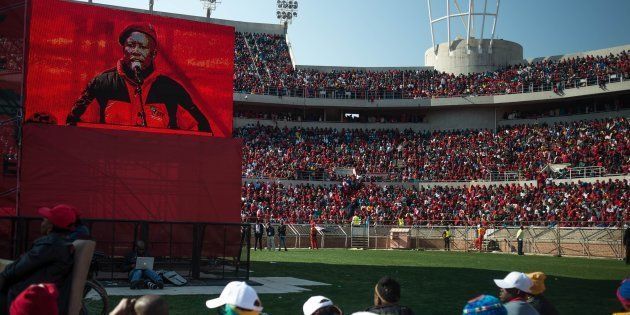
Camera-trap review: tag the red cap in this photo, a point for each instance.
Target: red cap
(145, 28)
(61, 216)
(36, 299)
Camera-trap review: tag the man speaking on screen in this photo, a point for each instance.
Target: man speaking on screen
(135, 93)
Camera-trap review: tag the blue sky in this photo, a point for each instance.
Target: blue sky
(397, 33)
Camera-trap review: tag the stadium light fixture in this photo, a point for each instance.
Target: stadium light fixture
(210, 6)
(286, 11)
(467, 19)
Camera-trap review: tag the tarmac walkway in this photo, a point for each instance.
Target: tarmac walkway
(264, 285)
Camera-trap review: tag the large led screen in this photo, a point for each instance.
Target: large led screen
(90, 64)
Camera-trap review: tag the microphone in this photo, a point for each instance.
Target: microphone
(136, 66)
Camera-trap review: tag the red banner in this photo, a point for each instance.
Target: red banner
(92, 64)
(120, 174)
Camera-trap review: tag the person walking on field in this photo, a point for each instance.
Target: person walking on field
(314, 237)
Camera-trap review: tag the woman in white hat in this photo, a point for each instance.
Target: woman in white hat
(237, 298)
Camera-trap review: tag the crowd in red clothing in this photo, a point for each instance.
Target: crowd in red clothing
(275, 75)
(11, 54)
(271, 152)
(583, 204)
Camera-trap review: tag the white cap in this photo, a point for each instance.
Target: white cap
(316, 302)
(515, 280)
(238, 294)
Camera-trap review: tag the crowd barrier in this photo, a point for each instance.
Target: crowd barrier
(353, 94)
(557, 240)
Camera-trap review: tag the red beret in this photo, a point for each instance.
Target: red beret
(36, 299)
(145, 28)
(61, 216)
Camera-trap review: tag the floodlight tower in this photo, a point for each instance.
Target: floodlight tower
(469, 53)
(286, 11)
(210, 6)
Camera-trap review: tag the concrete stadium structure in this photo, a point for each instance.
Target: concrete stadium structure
(463, 58)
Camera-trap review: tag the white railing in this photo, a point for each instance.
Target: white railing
(556, 240)
(584, 172)
(505, 176)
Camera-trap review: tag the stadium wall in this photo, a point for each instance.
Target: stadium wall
(507, 99)
(447, 119)
(591, 179)
(587, 242)
(569, 118)
(365, 69)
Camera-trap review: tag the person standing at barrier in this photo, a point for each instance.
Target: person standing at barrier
(259, 229)
(519, 239)
(314, 237)
(282, 235)
(271, 234)
(446, 235)
(481, 232)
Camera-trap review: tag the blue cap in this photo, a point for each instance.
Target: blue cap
(486, 305)
(624, 289)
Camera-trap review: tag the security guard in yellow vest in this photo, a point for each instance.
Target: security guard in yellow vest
(446, 235)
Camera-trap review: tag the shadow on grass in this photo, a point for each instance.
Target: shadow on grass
(427, 290)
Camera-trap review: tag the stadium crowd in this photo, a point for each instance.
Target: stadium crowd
(259, 58)
(272, 152)
(583, 204)
(11, 54)
(273, 73)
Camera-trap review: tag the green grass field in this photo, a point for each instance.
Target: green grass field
(432, 282)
